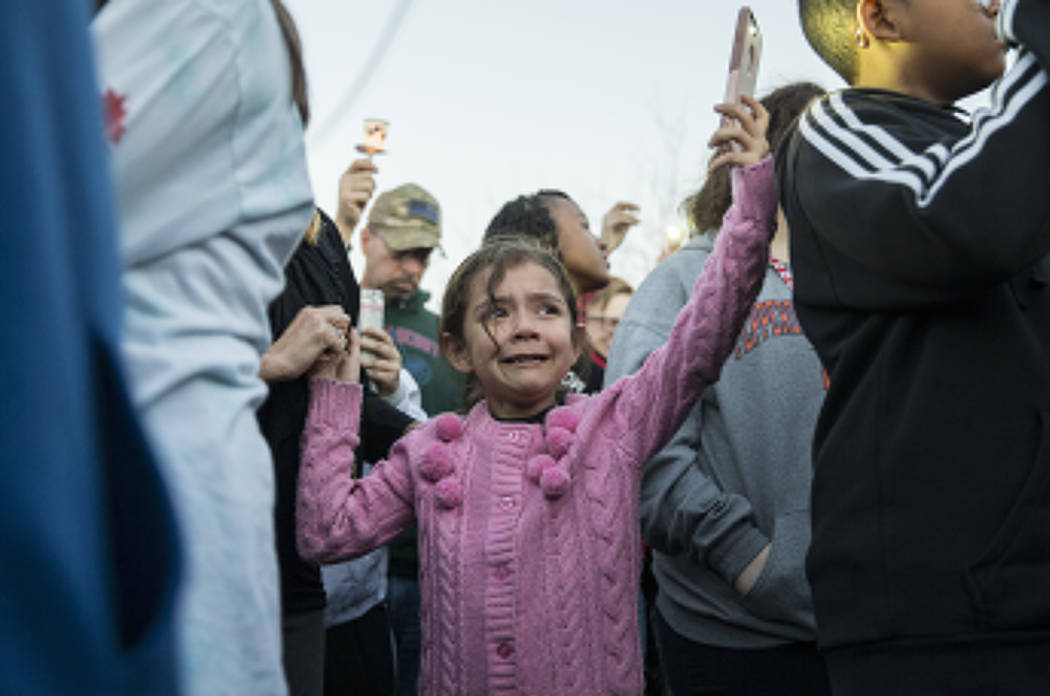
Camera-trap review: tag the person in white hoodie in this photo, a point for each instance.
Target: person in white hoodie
(210, 170)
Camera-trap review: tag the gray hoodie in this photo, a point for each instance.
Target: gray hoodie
(737, 474)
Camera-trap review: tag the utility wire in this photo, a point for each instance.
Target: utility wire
(364, 75)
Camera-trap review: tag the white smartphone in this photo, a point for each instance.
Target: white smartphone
(743, 60)
(370, 315)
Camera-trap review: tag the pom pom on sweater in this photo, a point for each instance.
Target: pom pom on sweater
(449, 426)
(437, 463)
(448, 493)
(537, 465)
(554, 482)
(563, 417)
(558, 441)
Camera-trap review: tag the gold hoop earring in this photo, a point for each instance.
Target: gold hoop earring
(862, 38)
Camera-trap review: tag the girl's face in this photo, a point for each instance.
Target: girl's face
(582, 253)
(519, 342)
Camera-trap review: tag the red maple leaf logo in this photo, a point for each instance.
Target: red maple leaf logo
(113, 108)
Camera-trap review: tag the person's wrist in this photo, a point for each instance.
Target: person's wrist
(397, 395)
(346, 220)
(749, 576)
(346, 217)
(272, 368)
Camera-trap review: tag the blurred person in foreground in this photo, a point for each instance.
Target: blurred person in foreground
(89, 546)
(725, 506)
(207, 150)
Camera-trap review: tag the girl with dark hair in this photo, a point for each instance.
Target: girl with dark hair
(527, 505)
(552, 219)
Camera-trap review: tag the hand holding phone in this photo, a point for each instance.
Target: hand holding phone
(743, 142)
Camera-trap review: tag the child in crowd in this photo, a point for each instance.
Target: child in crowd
(552, 219)
(527, 507)
(919, 244)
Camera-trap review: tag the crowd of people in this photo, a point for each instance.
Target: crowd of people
(805, 456)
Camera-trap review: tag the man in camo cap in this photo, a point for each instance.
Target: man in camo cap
(403, 228)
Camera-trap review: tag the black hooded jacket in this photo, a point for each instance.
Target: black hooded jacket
(918, 243)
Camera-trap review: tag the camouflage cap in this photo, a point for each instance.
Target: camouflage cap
(407, 218)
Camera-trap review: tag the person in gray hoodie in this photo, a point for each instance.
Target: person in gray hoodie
(725, 506)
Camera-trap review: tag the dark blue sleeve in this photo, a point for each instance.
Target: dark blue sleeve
(88, 549)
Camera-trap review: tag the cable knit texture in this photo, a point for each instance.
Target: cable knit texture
(528, 533)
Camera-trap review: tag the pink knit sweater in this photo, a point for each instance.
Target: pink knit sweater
(528, 533)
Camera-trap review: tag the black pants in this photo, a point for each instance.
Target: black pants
(359, 656)
(694, 669)
(1017, 668)
(303, 645)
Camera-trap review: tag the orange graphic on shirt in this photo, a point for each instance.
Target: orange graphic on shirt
(768, 319)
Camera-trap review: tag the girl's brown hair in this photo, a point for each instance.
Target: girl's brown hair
(706, 208)
(496, 256)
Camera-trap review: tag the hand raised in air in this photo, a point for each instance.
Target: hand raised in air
(746, 130)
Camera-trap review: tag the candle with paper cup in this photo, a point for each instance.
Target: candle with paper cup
(375, 137)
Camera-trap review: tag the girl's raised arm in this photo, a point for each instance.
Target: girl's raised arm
(650, 405)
